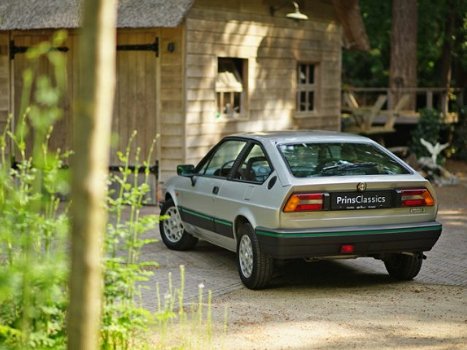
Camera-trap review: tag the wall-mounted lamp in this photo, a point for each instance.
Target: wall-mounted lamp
(296, 15)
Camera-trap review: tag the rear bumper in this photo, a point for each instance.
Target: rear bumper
(367, 240)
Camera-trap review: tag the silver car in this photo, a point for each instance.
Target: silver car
(287, 195)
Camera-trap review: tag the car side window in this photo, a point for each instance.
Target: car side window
(255, 167)
(222, 160)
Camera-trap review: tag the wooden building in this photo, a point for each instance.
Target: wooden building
(194, 71)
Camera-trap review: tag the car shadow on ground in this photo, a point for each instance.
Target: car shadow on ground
(325, 274)
(301, 273)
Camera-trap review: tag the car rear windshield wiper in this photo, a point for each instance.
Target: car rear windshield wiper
(343, 165)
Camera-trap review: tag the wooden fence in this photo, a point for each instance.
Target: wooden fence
(445, 100)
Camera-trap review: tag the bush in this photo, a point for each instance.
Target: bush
(34, 264)
(429, 128)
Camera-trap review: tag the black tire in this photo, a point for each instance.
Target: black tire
(172, 231)
(403, 267)
(254, 267)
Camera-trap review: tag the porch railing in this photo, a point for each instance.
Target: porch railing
(439, 98)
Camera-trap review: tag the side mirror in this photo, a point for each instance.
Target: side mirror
(185, 170)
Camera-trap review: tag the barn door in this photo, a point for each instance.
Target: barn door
(135, 95)
(61, 135)
(4, 85)
(135, 107)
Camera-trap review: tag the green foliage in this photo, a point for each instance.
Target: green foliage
(123, 318)
(33, 225)
(459, 142)
(432, 18)
(372, 69)
(432, 14)
(428, 128)
(34, 228)
(34, 242)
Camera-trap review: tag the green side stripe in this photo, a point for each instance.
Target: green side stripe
(345, 233)
(195, 213)
(207, 217)
(223, 222)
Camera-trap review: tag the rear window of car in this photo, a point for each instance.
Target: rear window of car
(338, 159)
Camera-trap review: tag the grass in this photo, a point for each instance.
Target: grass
(181, 324)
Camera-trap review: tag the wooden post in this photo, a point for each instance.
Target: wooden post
(444, 103)
(429, 99)
(92, 125)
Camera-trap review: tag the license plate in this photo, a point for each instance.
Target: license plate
(361, 200)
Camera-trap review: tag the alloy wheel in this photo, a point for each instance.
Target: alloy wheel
(173, 227)
(245, 256)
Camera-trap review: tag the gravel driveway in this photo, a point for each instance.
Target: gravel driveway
(336, 305)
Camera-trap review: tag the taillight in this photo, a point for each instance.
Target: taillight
(419, 197)
(304, 202)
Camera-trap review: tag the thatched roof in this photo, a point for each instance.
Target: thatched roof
(41, 14)
(51, 14)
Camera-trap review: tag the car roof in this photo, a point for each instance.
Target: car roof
(295, 136)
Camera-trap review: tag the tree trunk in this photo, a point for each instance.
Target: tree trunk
(349, 15)
(403, 65)
(446, 56)
(92, 125)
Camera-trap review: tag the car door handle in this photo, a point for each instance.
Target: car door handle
(215, 190)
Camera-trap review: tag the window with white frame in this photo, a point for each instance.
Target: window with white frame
(231, 86)
(306, 87)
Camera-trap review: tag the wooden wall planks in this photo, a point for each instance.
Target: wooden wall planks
(272, 47)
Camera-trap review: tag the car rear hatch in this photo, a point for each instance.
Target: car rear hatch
(352, 201)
